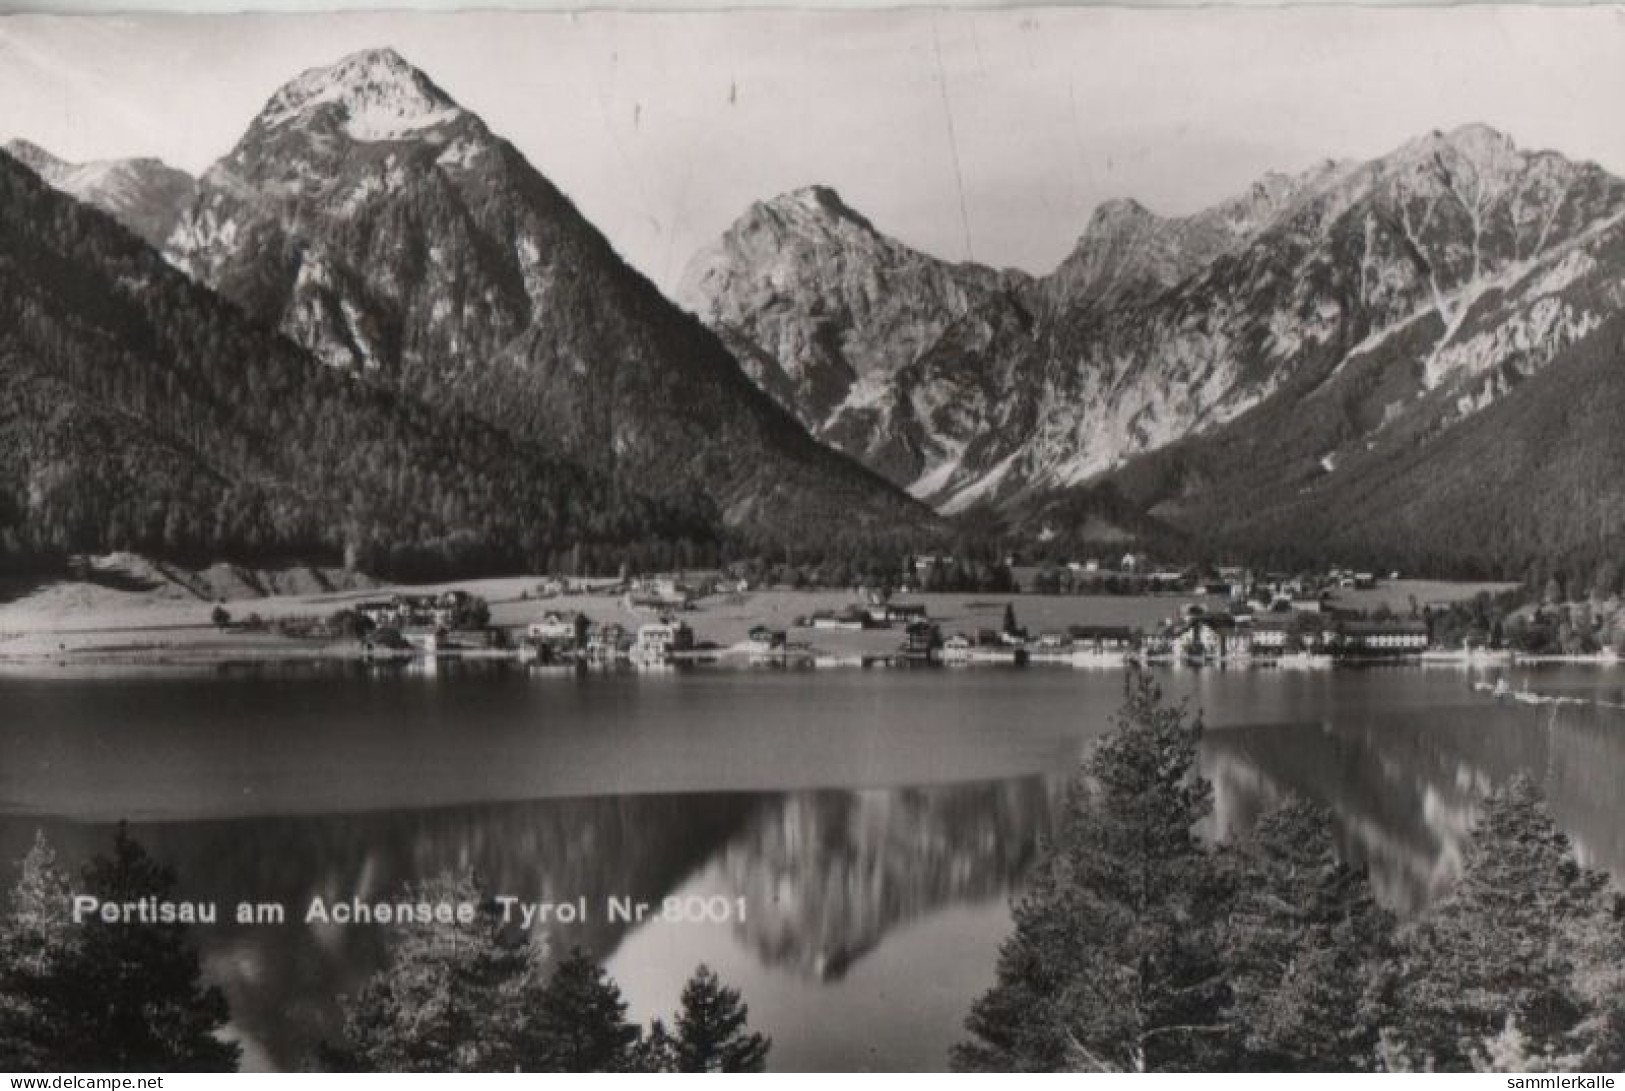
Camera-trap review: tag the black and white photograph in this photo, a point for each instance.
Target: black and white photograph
(793, 539)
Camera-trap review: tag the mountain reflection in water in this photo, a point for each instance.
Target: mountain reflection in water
(825, 875)
(874, 909)
(828, 874)
(1404, 790)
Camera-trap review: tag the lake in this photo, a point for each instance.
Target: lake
(875, 824)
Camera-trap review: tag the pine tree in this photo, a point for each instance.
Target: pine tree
(1522, 963)
(129, 996)
(576, 1022)
(1307, 947)
(1114, 962)
(463, 997)
(712, 1033)
(447, 999)
(36, 934)
(656, 1051)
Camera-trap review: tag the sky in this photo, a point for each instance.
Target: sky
(981, 134)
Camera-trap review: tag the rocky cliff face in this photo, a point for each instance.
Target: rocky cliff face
(1450, 268)
(146, 195)
(142, 413)
(341, 217)
(1127, 248)
(879, 349)
(1344, 267)
(375, 221)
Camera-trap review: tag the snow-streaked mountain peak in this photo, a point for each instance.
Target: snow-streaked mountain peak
(373, 95)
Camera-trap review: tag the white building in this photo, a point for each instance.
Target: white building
(1383, 637)
(659, 640)
(559, 628)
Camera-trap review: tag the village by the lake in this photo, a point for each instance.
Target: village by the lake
(867, 770)
(979, 538)
(1091, 613)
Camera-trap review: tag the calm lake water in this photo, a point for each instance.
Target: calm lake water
(876, 823)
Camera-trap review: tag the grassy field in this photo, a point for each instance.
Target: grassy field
(1398, 594)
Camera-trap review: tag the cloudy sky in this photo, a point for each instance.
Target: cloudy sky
(985, 134)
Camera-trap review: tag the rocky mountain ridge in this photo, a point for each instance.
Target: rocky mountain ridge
(146, 195)
(368, 216)
(1434, 278)
(1308, 343)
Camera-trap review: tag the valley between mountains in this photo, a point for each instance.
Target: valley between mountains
(374, 332)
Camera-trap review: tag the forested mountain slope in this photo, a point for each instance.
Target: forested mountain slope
(375, 221)
(140, 411)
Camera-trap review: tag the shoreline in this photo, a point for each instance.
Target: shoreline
(183, 658)
(68, 624)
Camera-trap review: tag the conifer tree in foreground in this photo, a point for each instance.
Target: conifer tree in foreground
(470, 996)
(1115, 959)
(101, 996)
(1307, 949)
(143, 1005)
(656, 1051)
(1136, 947)
(465, 996)
(1521, 966)
(447, 1001)
(577, 1023)
(712, 1035)
(35, 936)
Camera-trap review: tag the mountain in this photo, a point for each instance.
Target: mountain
(140, 411)
(880, 350)
(1127, 247)
(372, 219)
(1454, 418)
(1521, 479)
(834, 872)
(146, 195)
(933, 373)
(1319, 326)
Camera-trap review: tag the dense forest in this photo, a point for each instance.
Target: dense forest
(139, 411)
